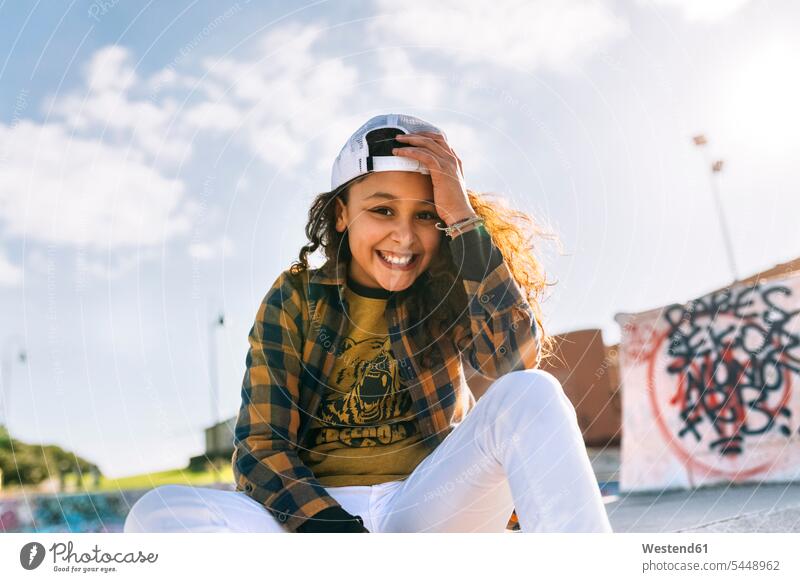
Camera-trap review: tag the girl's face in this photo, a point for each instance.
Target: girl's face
(390, 217)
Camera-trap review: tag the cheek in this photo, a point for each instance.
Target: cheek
(432, 249)
(432, 242)
(363, 237)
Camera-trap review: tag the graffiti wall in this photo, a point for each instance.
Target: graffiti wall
(77, 513)
(711, 389)
(74, 513)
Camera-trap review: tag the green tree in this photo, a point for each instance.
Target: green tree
(26, 464)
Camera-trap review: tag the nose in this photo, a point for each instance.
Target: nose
(403, 233)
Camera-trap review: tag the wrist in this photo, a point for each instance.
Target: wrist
(458, 232)
(456, 217)
(454, 229)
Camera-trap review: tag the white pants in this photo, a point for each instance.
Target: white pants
(520, 447)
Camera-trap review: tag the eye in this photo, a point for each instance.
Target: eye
(425, 215)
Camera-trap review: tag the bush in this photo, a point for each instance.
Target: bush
(25, 464)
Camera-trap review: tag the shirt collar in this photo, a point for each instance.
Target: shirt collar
(333, 272)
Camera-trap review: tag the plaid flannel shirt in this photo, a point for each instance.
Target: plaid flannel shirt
(293, 345)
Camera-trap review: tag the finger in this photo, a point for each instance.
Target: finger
(442, 140)
(421, 140)
(447, 167)
(439, 137)
(431, 144)
(460, 165)
(421, 154)
(448, 153)
(436, 137)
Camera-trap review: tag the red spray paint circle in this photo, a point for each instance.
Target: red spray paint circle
(677, 447)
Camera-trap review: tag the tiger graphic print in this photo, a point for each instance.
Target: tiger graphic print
(369, 390)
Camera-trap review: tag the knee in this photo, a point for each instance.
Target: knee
(529, 391)
(160, 496)
(150, 506)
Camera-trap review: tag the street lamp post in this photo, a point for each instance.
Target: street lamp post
(716, 167)
(13, 351)
(213, 375)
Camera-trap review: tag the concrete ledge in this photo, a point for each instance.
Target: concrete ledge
(771, 507)
(779, 521)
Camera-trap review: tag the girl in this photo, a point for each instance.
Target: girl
(356, 415)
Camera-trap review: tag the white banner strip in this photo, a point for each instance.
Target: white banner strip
(400, 557)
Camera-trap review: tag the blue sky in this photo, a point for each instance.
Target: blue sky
(157, 161)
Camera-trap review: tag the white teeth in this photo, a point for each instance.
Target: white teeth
(396, 260)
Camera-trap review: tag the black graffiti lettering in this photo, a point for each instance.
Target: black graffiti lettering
(785, 291)
(742, 301)
(733, 375)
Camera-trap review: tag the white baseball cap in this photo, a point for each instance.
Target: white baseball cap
(369, 149)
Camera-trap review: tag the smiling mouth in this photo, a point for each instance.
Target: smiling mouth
(396, 262)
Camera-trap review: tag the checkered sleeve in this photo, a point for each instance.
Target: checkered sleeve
(503, 334)
(265, 461)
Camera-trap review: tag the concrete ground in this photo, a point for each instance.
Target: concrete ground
(773, 508)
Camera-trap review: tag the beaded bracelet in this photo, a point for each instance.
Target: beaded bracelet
(459, 225)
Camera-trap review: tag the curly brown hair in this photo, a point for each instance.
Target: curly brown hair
(444, 300)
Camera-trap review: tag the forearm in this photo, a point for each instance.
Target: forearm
(265, 462)
(281, 483)
(503, 334)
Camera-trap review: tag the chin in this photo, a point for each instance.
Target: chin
(396, 287)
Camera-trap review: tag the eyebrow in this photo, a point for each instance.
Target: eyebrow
(390, 196)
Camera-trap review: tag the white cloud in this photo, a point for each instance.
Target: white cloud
(552, 34)
(281, 98)
(93, 175)
(10, 274)
(90, 176)
(112, 266)
(273, 102)
(402, 80)
(206, 251)
(76, 191)
(214, 116)
(169, 80)
(702, 9)
(276, 145)
(109, 70)
(107, 104)
(468, 146)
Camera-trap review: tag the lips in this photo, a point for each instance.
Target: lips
(394, 266)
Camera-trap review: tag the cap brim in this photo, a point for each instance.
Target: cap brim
(388, 164)
(398, 164)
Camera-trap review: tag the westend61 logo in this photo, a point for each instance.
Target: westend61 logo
(32, 555)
